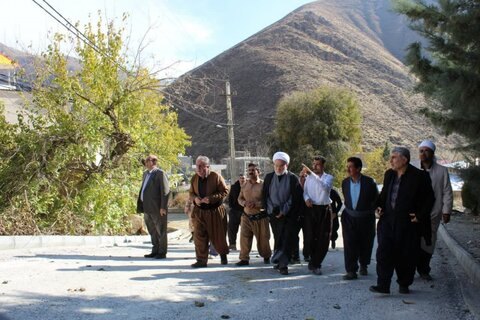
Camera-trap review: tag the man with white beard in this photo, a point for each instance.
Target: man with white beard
(282, 196)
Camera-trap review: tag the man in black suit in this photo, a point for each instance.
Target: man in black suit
(282, 195)
(404, 207)
(235, 212)
(358, 218)
(153, 202)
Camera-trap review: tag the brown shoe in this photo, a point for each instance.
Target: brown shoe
(199, 264)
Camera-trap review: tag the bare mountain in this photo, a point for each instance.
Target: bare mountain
(357, 44)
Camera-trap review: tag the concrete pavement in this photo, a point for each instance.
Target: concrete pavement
(116, 282)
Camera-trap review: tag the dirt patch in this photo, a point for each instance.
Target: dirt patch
(465, 229)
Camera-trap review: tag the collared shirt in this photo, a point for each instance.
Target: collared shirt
(395, 187)
(147, 177)
(317, 188)
(354, 192)
(251, 191)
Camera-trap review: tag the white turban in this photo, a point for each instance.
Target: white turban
(281, 156)
(427, 144)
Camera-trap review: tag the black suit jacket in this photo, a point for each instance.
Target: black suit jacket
(233, 196)
(415, 195)
(155, 195)
(295, 190)
(368, 194)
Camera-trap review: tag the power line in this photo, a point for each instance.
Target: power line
(92, 45)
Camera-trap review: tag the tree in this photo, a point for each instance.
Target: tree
(73, 161)
(325, 121)
(376, 164)
(449, 68)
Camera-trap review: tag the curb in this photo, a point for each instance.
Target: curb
(27, 242)
(469, 264)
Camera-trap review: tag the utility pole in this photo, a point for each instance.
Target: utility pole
(231, 139)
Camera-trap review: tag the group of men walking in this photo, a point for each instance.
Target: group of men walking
(409, 208)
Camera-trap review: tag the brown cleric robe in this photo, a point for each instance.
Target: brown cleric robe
(209, 220)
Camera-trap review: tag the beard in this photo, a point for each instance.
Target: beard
(281, 173)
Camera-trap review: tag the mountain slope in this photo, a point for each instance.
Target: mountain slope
(349, 43)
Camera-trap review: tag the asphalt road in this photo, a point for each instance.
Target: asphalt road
(118, 283)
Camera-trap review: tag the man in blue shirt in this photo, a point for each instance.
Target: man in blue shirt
(358, 218)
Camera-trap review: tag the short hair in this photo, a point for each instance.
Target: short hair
(203, 159)
(152, 157)
(320, 158)
(404, 152)
(357, 162)
(251, 164)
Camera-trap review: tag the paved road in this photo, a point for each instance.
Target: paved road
(118, 283)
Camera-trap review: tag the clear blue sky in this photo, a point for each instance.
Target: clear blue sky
(192, 31)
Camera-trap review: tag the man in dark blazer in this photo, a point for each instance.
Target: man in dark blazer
(358, 218)
(282, 195)
(404, 207)
(235, 212)
(153, 202)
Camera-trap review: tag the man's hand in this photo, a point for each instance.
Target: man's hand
(379, 212)
(206, 200)
(446, 218)
(250, 204)
(197, 201)
(413, 217)
(334, 215)
(280, 215)
(163, 212)
(308, 203)
(305, 170)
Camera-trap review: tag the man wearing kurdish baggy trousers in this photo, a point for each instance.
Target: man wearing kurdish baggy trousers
(209, 217)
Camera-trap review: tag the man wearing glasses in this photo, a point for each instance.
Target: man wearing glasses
(153, 201)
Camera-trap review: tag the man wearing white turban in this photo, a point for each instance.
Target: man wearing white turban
(442, 206)
(282, 196)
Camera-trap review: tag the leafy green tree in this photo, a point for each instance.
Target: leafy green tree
(72, 163)
(376, 164)
(325, 121)
(449, 68)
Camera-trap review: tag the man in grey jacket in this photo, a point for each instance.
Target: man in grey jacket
(153, 202)
(442, 206)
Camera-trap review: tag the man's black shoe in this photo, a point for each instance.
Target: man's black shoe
(266, 260)
(363, 271)
(223, 259)
(276, 266)
(242, 263)
(161, 256)
(283, 271)
(350, 276)
(199, 264)
(426, 276)
(378, 289)
(403, 290)
(150, 255)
